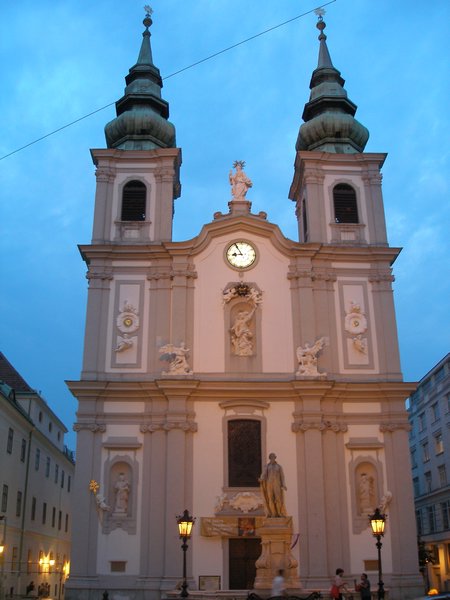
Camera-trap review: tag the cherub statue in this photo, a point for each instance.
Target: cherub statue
(307, 358)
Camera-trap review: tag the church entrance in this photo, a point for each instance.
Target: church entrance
(243, 553)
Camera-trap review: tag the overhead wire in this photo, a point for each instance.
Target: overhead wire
(199, 62)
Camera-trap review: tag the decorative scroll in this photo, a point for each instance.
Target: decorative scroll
(127, 323)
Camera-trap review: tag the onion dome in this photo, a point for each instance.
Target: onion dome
(329, 115)
(141, 122)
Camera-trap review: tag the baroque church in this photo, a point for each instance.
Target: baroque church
(304, 367)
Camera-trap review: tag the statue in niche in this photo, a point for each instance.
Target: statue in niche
(239, 181)
(307, 358)
(273, 486)
(366, 493)
(241, 334)
(122, 492)
(177, 357)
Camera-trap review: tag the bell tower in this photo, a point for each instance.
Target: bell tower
(336, 186)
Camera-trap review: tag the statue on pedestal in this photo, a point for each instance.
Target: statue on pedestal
(273, 486)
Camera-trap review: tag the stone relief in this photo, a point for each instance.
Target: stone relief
(242, 343)
(239, 181)
(177, 359)
(127, 322)
(245, 502)
(307, 358)
(366, 494)
(356, 324)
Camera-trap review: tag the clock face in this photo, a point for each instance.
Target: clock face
(241, 255)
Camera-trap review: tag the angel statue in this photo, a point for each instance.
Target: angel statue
(307, 358)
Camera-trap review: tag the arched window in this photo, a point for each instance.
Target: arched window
(345, 206)
(134, 197)
(244, 452)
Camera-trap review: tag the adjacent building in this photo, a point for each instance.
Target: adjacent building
(205, 356)
(429, 415)
(36, 480)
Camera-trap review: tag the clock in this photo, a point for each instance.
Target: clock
(240, 254)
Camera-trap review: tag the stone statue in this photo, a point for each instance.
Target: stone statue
(123, 343)
(385, 501)
(366, 494)
(273, 486)
(122, 492)
(176, 355)
(241, 335)
(239, 182)
(307, 358)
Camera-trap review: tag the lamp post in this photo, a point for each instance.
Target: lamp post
(185, 524)
(377, 523)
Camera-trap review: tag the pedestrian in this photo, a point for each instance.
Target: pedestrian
(339, 585)
(278, 584)
(363, 587)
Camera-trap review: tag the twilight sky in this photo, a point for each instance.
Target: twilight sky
(62, 59)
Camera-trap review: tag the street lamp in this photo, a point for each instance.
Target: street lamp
(185, 524)
(377, 523)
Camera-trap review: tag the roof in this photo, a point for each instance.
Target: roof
(11, 377)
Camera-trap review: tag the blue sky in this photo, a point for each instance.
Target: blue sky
(62, 59)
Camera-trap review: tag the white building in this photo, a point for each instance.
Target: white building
(429, 414)
(36, 478)
(203, 356)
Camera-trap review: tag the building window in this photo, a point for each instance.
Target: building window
(442, 475)
(244, 452)
(445, 510)
(345, 206)
(416, 486)
(23, 450)
(40, 416)
(19, 504)
(438, 443)
(413, 458)
(44, 513)
(305, 221)
(422, 422)
(4, 498)
(425, 452)
(133, 201)
(56, 473)
(50, 427)
(419, 521)
(62, 478)
(47, 466)
(59, 520)
(37, 459)
(435, 411)
(53, 516)
(9, 442)
(431, 513)
(428, 482)
(66, 524)
(33, 508)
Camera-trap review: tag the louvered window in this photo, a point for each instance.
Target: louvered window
(133, 201)
(345, 205)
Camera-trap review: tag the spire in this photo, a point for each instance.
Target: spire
(329, 115)
(141, 122)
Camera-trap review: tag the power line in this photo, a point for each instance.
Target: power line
(168, 76)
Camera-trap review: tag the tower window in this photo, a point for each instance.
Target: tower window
(133, 201)
(345, 206)
(244, 452)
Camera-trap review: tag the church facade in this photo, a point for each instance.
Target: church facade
(202, 357)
